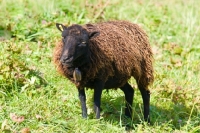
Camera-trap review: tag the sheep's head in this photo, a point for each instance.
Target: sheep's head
(75, 44)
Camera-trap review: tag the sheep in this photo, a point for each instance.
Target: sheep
(106, 55)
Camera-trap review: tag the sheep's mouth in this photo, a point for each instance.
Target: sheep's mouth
(72, 62)
(69, 66)
(67, 62)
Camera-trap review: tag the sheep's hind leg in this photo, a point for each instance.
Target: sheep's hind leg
(82, 98)
(97, 97)
(129, 94)
(146, 101)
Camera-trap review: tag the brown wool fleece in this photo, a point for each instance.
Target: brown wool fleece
(122, 50)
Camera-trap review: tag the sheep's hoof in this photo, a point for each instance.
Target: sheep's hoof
(84, 116)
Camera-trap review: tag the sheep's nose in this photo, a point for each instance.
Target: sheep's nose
(66, 59)
(63, 60)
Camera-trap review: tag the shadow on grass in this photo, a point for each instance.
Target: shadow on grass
(177, 116)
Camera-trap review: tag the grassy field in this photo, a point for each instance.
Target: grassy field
(34, 97)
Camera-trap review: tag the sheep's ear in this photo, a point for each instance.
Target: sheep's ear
(60, 27)
(93, 34)
(92, 31)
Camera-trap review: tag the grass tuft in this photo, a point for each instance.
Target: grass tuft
(34, 97)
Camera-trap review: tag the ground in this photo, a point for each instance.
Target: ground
(34, 97)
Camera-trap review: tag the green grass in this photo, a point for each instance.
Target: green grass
(30, 86)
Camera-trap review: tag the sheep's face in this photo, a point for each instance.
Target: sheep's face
(75, 45)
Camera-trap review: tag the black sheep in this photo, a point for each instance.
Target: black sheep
(106, 55)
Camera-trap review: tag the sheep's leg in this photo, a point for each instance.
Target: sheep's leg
(82, 98)
(97, 97)
(129, 94)
(146, 101)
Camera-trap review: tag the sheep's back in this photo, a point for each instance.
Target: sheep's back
(123, 49)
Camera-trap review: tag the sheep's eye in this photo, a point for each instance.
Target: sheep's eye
(82, 43)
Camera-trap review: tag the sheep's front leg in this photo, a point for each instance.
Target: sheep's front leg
(82, 98)
(129, 94)
(97, 97)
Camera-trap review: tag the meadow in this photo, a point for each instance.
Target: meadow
(35, 98)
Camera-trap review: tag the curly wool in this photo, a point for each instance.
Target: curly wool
(121, 50)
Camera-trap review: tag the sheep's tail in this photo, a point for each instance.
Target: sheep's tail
(147, 63)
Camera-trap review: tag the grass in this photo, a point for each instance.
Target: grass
(35, 97)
